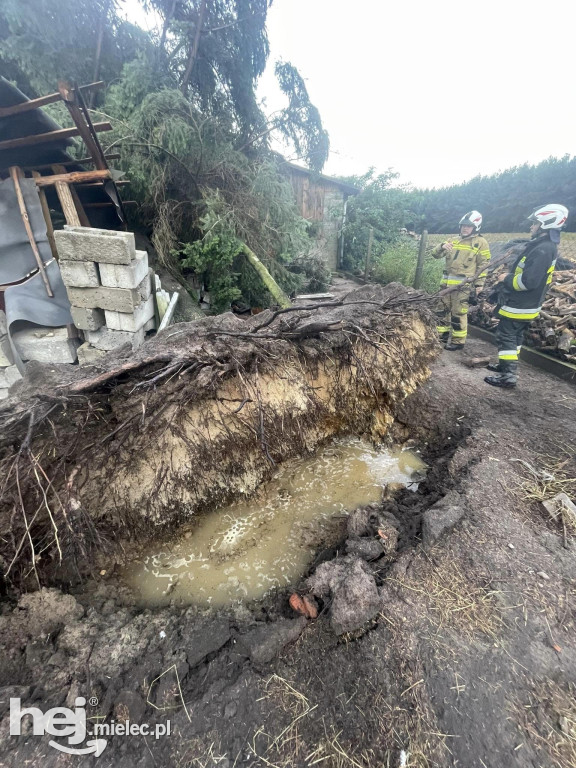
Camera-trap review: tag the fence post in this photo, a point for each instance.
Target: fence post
(421, 254)
(368, 253)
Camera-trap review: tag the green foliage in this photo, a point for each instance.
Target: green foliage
(316, 276)
(253, 290)
(42, 41)
(505, 199)
(397, 264)
(193, 140)
(300, 123)
(379, 206)
(216, 50)
(212, 258)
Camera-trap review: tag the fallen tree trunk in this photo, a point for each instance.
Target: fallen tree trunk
(199, 416)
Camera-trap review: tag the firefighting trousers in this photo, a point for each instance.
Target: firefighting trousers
(452, 315)
(510, 334)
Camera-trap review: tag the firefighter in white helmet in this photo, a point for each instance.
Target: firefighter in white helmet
(464, 256)
(521, 293)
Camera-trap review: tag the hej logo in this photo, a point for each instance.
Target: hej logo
(58, 722)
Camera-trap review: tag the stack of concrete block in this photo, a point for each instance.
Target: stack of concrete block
(8, 372)
(109, 286)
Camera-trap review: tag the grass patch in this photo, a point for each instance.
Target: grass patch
(397, 264)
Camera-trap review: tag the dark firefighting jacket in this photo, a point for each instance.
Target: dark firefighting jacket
(526, 285)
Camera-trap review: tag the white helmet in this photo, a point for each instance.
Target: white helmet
(552, 216)
(471, 219)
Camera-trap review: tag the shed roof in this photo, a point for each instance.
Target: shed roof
(28, 124)
(101, 199)
(349, 189)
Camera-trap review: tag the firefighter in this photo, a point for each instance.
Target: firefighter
(464, 258)
(521, 293)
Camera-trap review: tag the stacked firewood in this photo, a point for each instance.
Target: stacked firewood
(554, 331)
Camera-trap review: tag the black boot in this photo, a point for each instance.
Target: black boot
(504, 382)
(494, 367)
(454, 347)
(508, 375)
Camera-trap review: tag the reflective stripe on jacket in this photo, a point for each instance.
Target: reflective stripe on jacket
(526, 285)
(468, 256)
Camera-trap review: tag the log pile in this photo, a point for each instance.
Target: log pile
(554, 332)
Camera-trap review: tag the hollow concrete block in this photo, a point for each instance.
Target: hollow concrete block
(80, 274)
(107, 338)
(131, 321)
(125, 275)
(116, 299)
(83, 245)
(87, 319)
(46, 345)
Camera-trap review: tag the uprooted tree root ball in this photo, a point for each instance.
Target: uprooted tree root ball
(199, 416)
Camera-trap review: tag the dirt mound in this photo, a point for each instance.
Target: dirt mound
(196, 418)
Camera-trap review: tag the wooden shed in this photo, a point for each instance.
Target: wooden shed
(322, 199)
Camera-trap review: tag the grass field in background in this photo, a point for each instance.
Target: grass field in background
(398, 263)
(567, 246)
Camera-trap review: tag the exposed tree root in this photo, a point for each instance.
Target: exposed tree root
(199, 416)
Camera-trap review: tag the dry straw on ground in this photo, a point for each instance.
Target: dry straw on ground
(548, 720)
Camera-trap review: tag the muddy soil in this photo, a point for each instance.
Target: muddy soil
(470, 660)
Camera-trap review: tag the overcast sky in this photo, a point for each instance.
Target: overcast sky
(439, 91)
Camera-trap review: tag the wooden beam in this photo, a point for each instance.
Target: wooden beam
(113, 156)
(83, 161)
(107, 205)
(42, 101)
(169, 314)
(15, 176)
(73, 103)
(51, 136)
(274, 289)
(66, 201)
(72, 178)
(84, 220)
(59, 170)
(120, 183)
(47, 217)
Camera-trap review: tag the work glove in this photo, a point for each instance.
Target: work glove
(495, 296)
(473, 299)
(482, 296)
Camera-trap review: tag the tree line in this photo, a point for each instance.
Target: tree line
(504, 198)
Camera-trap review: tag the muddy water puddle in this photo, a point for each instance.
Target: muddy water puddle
(242, 551)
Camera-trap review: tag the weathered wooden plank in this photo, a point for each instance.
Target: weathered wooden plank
(72, 178)
(41, 101)
(51, 136)
(66, 200)
(47, 217)
(15, 174)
